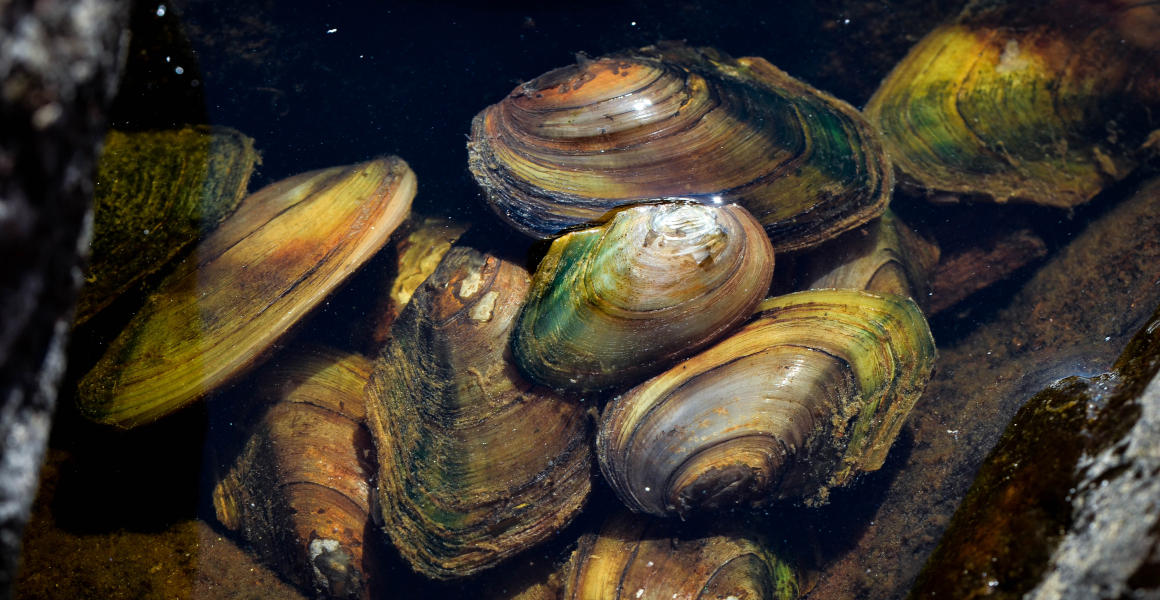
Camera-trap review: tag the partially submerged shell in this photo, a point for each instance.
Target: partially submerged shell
(1045, 102)
(475, 463)
(285, 249)
(299, 494)
(639, 558)
(619, 302)
(673, 121)
(798, 401)
(156, 193)
(882, 256)
(419, 247)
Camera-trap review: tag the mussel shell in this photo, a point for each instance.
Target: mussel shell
(288, 246)
(613, 304)
(799, 400)
(882, 256)
(1033, 101)
(673, 121)
(299, 493)
(419, 246)
(633, 557)
(156, 193)
(475, 463)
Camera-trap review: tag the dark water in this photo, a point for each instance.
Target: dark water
(329, 83)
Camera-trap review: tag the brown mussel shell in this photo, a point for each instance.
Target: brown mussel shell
(156, 193)
(299, 493)
(475, 463)
(613, 304)
(671, 121)
(883, 256)
(810, 393)
(419, 245)
(634, 557)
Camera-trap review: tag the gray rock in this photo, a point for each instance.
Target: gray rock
(59, 61)
(1112, 549)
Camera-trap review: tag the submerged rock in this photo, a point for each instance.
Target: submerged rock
(1071, 319)
(1067, 505)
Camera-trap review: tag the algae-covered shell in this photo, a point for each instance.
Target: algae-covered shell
(156, 193)
(475, 463)
(1031, 101)
(673, 121)
(285, 249)
(299, 493)
(810, 393)
(633, 557)
(613, 304)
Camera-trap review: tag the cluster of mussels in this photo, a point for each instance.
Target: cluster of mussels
(668, 177)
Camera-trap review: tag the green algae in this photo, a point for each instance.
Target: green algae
(1001, 538)
(156, 193)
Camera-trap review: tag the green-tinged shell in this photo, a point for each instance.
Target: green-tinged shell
(300, 494)
(1042, 101)
(475, 463)
(637, 558)
(671, 121)
(882, 256)
(156, 193)
(613, 304)
(801, 399)
(284, 250)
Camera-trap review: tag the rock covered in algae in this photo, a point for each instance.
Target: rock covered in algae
(285, 249)
(156, 193)
(300, 492)
(475, 463)
(1046, 101)
(1067, 505)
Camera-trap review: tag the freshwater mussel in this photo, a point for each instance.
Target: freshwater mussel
(288, 246)
(1046, 101)
(300, 491)
(475, 463)
(671, 121)
(646, 559)
(675, 189)
(169, 186)
(619, 302)
(801, 399)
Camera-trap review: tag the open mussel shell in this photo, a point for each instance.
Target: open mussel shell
(634, 557)
(475, 463)
(1044, 102)
(810, 393)
(619, 302)
(674, 121)
(299, 493)
(285, 249)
